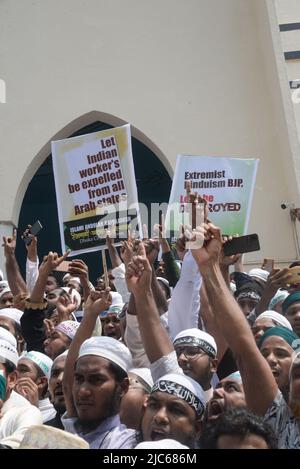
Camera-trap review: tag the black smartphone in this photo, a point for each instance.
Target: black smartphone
(36, 227)
(241, 244)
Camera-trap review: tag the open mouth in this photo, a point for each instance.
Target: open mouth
(216, 408)
(158, 435)
(275, 373)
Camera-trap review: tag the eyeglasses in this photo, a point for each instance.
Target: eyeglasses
(108, 319)
(189, 352)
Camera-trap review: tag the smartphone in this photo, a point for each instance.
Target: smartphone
(295, 275)
(34, 230)
(63, 266)
(241, 244)
(268, 264)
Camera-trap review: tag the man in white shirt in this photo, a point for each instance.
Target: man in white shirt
(17, 414)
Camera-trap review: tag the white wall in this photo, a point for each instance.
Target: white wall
(196, 77)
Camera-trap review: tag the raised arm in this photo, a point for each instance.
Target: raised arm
(138, 276)
(15, 280)
(51, 261)
(277, 279)
(113, 253)
(78, 268)
(259, 384)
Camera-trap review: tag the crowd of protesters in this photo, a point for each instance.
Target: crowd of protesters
(174, 348)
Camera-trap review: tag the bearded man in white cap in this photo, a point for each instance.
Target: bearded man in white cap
(95, 380)
(174, 410)
(17, 414)
(33, 377)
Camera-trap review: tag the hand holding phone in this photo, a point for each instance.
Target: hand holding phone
(33, 230)
(241, 244)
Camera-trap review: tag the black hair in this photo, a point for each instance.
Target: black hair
(240, 423)
(9, 366)
(117, 371)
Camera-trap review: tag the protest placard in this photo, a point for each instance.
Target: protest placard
(95, 185)
(226, 184)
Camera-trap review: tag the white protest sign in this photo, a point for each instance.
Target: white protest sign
(95, 185)
(226, 184)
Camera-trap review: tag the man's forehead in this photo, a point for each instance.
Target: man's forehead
(227, 381)
(164, 397)
(26, 361)
(58, 364)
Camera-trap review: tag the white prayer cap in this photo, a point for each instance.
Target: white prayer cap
(183, 387)
(144, 374)
(5, 290)
(12, 313)
(8, 352)
(6, 335)
(66, 276)
(68, 328)
(167, 443)
(41, 360)
(109, 348)
(281, 295)
(3, 284)
(198, 338)
(45, 437)
(259, 273)
(116, 299)
(278, 318)
(236, 376)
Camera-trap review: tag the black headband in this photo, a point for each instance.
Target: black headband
(197, 342)
(180, 391)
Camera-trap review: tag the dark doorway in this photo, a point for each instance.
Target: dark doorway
(153, 184)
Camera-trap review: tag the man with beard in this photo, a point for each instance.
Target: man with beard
(95, 380)
(56, 390)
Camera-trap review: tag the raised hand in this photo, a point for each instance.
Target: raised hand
(9, 244)
(65, 307)
(52, 261)
(32, 247)
(210, 237)
(139, 272)
(97, 302)
(78, 268)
